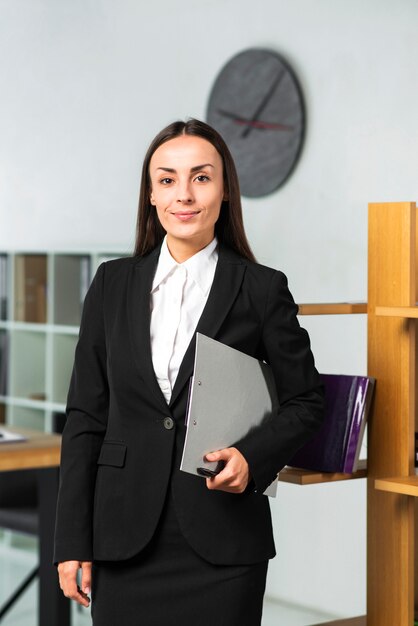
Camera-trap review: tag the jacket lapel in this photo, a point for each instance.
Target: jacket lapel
(225, 287)
(139, 316)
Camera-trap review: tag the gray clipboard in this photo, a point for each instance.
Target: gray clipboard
(230, 393)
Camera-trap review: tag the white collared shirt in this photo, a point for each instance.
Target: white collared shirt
(178, 296)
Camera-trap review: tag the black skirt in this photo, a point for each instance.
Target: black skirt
(168, 584)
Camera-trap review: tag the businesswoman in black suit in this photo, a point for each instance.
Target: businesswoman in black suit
(157, 546)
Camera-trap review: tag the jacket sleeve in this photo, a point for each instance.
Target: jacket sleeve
(87, 410)
(285, 346)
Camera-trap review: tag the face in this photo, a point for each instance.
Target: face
(187, 190)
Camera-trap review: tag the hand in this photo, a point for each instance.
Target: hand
(67, 571)
(235, 476)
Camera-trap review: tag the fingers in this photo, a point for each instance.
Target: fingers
(86, 577)
(220, 455)
(67, 571)
(235, 476)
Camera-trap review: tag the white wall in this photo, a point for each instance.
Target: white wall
(85, 84)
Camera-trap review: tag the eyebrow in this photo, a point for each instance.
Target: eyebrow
(195, 168)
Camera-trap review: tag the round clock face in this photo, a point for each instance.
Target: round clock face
(256, 105)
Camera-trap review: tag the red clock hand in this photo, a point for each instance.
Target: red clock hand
(264, 101)
(242, 121)
(263, 125)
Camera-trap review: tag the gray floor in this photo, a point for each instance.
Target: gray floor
(18, 556)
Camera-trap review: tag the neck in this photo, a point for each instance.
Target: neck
(183, 249)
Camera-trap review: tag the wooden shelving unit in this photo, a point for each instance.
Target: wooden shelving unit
(392, 356)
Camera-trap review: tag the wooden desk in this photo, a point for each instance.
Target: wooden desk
(41, 452)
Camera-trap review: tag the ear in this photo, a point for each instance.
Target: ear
(151, 199)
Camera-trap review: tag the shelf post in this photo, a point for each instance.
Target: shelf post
(391, 360)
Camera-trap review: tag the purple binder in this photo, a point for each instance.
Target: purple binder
(336, 446)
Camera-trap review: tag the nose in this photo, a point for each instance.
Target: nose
(184, 199)
(185, 195)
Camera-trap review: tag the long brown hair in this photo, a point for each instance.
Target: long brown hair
(229, 228)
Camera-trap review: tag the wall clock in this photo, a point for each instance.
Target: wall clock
(257, 105)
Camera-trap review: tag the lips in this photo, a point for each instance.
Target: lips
(184, 216)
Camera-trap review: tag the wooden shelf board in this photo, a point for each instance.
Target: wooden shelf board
(352, 621)
(406, 485)
(333, 308)
(298, 476)
(398, 311)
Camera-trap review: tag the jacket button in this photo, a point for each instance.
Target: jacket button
(168, 423)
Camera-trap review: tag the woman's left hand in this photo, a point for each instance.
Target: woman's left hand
(235, 476)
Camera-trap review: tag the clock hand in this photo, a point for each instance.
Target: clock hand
(263, 125)
(264, 101)
(254, 123)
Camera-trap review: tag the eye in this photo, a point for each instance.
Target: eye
(166, 181)
(202, 178)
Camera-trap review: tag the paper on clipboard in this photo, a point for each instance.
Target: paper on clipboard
(230, 394)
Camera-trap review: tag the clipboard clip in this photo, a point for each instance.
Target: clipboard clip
(210, 473)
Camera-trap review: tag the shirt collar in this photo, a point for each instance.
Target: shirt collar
(200, 267)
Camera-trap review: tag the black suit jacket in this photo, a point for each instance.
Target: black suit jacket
(119, 459)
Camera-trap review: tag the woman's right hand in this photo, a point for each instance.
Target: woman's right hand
(67, 571)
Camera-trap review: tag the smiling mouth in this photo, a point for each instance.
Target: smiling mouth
(185, 215)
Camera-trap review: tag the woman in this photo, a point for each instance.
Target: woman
(168, 547)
